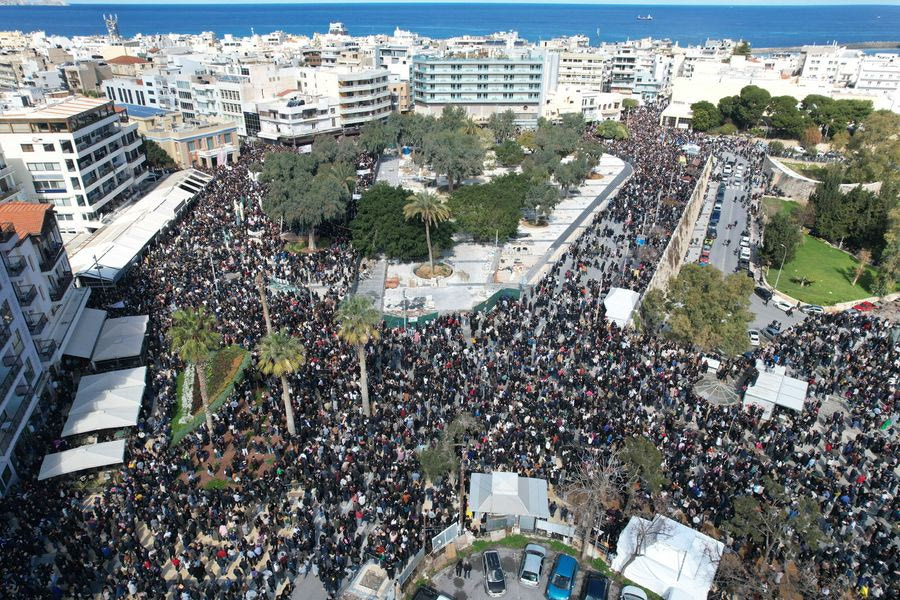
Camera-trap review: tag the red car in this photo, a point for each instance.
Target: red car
(865, 306)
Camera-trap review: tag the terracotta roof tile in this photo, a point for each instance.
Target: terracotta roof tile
(126, 60)
(27, 217)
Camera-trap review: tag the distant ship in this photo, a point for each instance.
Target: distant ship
(647, 18)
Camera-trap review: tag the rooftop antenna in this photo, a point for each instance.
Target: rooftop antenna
(112, 27)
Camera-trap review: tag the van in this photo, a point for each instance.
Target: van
(745, 254)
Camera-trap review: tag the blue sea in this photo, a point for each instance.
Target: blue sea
(763, 26)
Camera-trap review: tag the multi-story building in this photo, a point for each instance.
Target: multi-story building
(830, 64)
(296, 119)
(18, 68)
(86, 76)
(362, 95)
(879, 75)
(593, 104)
(189, 144)
(76, 154)
(483, 86)
(584, 69)
(400, 97)
(39, 310)
(9, 189)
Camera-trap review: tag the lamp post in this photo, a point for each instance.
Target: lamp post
(781, 268)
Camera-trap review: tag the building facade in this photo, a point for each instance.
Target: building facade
(77, 155)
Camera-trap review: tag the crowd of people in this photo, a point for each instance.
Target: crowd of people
(548, 381)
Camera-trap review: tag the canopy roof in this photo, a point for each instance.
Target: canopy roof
(107, 401)
(672, 560)
(773, 388)
(619, 304)
(84, 338)
(502, 493)
(121, 338)
(107, 253)
(81, 458)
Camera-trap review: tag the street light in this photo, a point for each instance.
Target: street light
(781, 268)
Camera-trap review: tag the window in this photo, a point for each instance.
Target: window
(27, 148)
(190, 146)
(52, 185)
(17, 344)
(79, 199)
(76, 185)
(49, 148)
(29, 371)
(66, 146)
(63, 217)
(62, 202)
(209, 143)
(43, 167)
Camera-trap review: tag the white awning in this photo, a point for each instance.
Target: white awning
(121, 338)
(619, 304)
(81, 458)
(111, 249)
(502, 493)
(774, 388)
(107, 401)
(83, 339)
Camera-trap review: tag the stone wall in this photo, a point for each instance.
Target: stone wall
(796, 186)
(673, 256)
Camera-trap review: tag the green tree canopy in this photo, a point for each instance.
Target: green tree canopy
(358, 324)
(742, 49)
(752, 104)
(491, 209)
(324, 149)
(874, 149)
(612, 130)
(630, 103)
(380, 227)
(708, 310)
(157, 158)
(429, 209)
(453, 154)
(540, 200)
(644, 463)
(509, 153)
(833, 215)
(782, 237)
(193, 336)
(706, 116)
(503, 125)
(785, 118)
(280, 355)
(375, 137)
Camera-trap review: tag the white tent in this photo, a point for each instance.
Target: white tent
(670, 559)
(81, 458)
(107, 401)
(619, 304)
(773, 387)
(501, 493)
(121, 338)
(84, 338)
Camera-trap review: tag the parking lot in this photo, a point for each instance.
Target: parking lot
(459, 588)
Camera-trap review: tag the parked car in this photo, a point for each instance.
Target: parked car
(712, 232)
(865, 306)
(631, 592)
(812, 309)
(770, 332)
(782, 305)
(494, 577)
(763, 293)
(429, 593)
(745, 241)
(562, 578)
(753, 334)
(532, 565)
(594, 587)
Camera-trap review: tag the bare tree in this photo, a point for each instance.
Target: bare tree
(644, 533)
(593, 487)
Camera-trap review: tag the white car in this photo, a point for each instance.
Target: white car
(782, 305)
(532, 565)
(812, 309)
(630, 592)
(745, 241)
(753, 334)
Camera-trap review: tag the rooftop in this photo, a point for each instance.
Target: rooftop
(68, 107)
(141, 112)
(127, 60)
(27, 217)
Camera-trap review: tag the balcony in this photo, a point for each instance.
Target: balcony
(5, 333)
(59, 290)
(11, 425)
(50, 254)
(4, 194)
(26, 295)
(46, 349)
(14, 265)
(36, 322)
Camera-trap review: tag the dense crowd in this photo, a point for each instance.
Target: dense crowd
(547, 379)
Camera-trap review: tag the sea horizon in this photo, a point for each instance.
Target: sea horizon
(761, 25)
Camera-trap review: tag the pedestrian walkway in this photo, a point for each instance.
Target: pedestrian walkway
(372, 286)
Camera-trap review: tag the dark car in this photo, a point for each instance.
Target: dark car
(595, 587)
(494, 577)
(429, 593)
(763, 293)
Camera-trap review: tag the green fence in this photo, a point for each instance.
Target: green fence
(495, 298)
(181, 430)
(394, 321)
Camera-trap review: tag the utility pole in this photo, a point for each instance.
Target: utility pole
(781, 268)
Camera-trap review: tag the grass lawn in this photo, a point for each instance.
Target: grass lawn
(830, 271)
(224, 367)
(806, 169)
(773, 206)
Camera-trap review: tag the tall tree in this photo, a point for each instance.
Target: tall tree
(431, 211)
(324, 148)
(281, 354)
(644, 464)
(594, 486)
(346, 175)
(864, 258)
(454, 154)
(358, 323)
(705, 116)
(509, 153)
(781, 239)
(785, 118)
(157, 158)
(375, 137)
(503, 125)
(752, 104)
(193, 336)
(540, 200)
(832, 213)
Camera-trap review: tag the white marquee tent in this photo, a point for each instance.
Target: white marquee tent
(87, 330)
(672, 559)
(500, 493)
(619, 304)
(81, 458)
(774, 388)
(107, 401)
(121, 338)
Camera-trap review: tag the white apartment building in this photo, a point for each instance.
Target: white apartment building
(593, 104)
(585, 69)
(77, 155)
(147, 90)
(830, 64)
(879, 75)
(39, 312)
(9, 189)
(295, 119)
(362, 95)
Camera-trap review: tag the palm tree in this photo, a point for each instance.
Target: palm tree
(193, 335)
(432, 211)
(346, 174)
(470, 127)
(261, 287)
(281, 354)
(359, 321)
